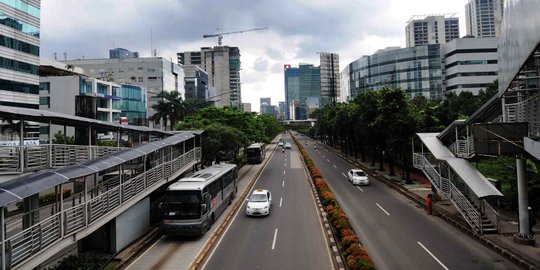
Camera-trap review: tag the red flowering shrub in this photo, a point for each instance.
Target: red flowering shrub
(358, 258)
(315, 173)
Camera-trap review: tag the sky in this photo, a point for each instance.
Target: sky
(297, 30)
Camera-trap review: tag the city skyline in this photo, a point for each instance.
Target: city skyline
(291, 38)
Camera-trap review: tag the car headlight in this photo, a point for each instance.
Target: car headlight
(266, 207)
(248, 207)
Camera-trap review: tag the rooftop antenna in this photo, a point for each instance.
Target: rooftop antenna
(55, 57)
(151, 43)
(65, 55)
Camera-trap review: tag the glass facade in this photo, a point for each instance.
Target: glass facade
(22, 6)
(19, 45)
(416, 70)
(85, 87)
(19, 25)
(102, 89)
(19, 87)
(18, 66)
(133, 103)
(292, 89)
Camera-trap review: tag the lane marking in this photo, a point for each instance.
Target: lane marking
(382, 208)
(328, 160)
(284, 172)
(280, 201)
(275, 237)
(362, 190)
(344, 175)
(283, 184)
(285, 164)
(334, 166)
(323, 156)
(429, 252)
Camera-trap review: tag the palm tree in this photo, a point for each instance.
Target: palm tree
(162, 112)
(171, 107)
(70, 67)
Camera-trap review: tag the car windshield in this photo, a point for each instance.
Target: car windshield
(359, 174)
(258, 198)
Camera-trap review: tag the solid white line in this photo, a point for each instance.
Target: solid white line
(129, 266)
(382, 208)
(443, 266)
(283, 184)
(360, 189)
(334, 166)
(274, 242)
(344, 175)
(280, 201)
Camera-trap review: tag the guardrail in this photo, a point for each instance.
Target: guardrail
(67, 222)
(468, 210)
(48, 156)
(463, 148)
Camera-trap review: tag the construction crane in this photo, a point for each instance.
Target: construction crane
(220, 35)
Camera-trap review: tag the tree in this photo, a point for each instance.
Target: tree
(70, 67)
(60, 138)
(170, 108)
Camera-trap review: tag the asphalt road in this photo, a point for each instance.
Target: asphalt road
(291, 237)
(397, 233)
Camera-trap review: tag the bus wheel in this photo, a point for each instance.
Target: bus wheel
(230, 199)
(211, 222)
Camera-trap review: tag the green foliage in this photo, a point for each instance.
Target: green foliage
(174, 109)
(60, 138)
(79, 262)
(107, 143)
(230, 129)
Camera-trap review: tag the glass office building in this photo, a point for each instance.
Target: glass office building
(416, 70)
(302, 84)
(19, 56)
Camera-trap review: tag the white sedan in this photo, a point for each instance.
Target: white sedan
(287, 145)
(280, 143)
(358, 177)
(259, 203)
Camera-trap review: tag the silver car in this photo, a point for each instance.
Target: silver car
(358, 177)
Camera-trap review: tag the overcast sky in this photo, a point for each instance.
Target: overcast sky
(298, 29)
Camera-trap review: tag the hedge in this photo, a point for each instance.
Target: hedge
(355, 255)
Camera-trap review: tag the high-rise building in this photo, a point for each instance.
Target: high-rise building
(19, 68)
(120, 53)
(189, 58)
(282, 107)
(156, 74)
(302, 88)
(195, 82)
(431, 29)
(464, 64)
(264, 104)
(222, 63)
(246, 107)
(483, 17)
(329, 78)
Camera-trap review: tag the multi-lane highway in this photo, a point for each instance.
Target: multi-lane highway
(290, 238)
(397, 234)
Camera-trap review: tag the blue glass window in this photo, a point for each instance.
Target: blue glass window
(102, 89)
(85, 87)
(19, 45)
(18, 66)
(19, 25)
(22, 6)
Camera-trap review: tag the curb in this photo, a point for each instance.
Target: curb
(126, 257)
(337, 259)
(509, 254)
(214, 238)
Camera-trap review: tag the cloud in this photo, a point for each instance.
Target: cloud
(261, 64)
(298, 29)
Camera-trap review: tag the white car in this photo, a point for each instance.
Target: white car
(280, 143)
(259, 203)
(287, 145)
(358, 177)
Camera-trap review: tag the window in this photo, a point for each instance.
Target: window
(45, 101)
(152, 79)
(45, 86)
(140, 79)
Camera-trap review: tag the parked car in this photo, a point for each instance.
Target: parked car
(358, 177)
(259, 203)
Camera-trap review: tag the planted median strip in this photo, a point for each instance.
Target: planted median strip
(356, 256)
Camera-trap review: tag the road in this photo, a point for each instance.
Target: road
(397, 233)
(290, 238)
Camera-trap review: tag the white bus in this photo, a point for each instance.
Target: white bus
(192, 204)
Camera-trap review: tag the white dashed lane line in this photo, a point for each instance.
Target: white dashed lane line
(334, 166)
(433, 256)
(344, 175)
(382, 209)
(283, 184)
(328, 160)
(280, 201)
(275, 237)
(360, 189)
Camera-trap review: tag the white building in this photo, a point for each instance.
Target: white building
(155, 74)
(470, 64)
(431, 29)
(19, 68)
(483, 17)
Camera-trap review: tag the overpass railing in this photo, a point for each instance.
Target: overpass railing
(67, 222)
(19, 159)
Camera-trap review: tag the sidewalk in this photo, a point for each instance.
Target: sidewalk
(503, 243)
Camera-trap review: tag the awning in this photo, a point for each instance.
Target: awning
(478, 184)
(435, 146)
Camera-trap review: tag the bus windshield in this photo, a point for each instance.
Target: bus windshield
(252, 152)
(182, 204)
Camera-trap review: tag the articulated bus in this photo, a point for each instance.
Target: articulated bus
(192, 204)
(255, 153)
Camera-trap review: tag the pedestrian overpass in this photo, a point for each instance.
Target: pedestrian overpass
(65, 193)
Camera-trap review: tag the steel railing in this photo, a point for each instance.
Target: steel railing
(463, 148)
(48, 156)
(466, 206)
(67, 222)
